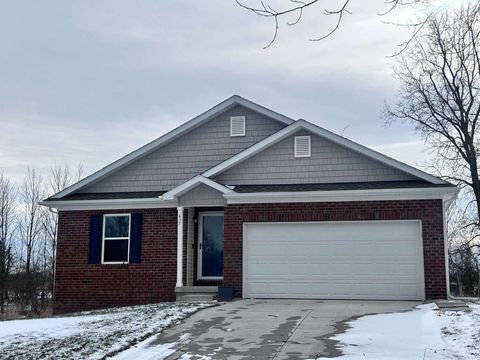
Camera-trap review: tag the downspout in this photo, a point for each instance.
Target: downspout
(446, 202)
(445, 246)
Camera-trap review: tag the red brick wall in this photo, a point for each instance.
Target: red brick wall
(83, 286)
(428, 211)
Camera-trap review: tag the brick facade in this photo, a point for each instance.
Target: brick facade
(428, 211)
(83, 286)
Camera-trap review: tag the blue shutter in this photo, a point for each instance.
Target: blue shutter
(136, 238)
(95, 246)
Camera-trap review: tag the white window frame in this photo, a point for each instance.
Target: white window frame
(231, 127)
(105, 216)
(309, 146)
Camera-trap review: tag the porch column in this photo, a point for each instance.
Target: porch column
(180, 247)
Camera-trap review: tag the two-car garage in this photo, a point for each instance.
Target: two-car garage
(334, 260)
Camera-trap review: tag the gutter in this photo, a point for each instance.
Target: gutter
(107, 204)
(444, 193)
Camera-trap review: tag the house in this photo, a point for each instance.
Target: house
(245, 197)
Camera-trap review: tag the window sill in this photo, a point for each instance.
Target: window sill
(114, 263)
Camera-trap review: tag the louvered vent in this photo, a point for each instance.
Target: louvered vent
(302, 146)
(237, 126)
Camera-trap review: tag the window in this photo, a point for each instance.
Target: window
(302, 146)
(237, 126)
(116, 239)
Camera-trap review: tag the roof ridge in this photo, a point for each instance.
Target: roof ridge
(164, 139)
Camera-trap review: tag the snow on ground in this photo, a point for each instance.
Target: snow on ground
(149, 350)
(424, 333)
(462, 333)
(92, 335)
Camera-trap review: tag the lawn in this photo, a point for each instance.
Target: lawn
(92, 335)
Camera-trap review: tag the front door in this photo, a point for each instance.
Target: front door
(210, 245)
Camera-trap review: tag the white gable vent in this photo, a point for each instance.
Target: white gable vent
(237, 126)
(302, 146)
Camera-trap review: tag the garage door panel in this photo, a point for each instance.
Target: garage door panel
(351, 260)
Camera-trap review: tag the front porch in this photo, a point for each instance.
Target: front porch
(200, 240)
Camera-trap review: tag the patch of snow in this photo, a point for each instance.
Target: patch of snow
(147, 350)
(424, 333)
(63, 326)
(195, 357)
(462, 333)
(150, 350)
(92, 335)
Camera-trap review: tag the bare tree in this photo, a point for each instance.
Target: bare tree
(31, 228)
(293, 11)
(440, 93)
(7, 229)
(61, 176)
(463, 254)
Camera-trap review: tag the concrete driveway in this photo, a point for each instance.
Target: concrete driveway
(269, 329)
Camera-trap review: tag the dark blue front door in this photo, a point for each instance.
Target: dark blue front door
(211, 245)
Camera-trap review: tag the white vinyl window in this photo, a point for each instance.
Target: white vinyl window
(116, 239)
(302, 146)
(237, 126)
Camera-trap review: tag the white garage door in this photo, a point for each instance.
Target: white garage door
(334, 260)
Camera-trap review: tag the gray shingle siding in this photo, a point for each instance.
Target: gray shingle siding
(329, 163)
(189, 155)
(202, 195)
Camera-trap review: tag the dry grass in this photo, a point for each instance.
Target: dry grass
(14, 312)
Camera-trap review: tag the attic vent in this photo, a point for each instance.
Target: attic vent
(302, 146)
(237, 126)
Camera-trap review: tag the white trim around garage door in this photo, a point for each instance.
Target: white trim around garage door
(420, 245)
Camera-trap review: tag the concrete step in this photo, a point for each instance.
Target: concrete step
(196, 293)
(194, 297)
(192, 289)
(452, 305)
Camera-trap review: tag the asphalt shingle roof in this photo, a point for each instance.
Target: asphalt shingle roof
(337, 186)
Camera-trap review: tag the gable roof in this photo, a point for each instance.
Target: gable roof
(172, 135)
(317, 130)
(192, 183)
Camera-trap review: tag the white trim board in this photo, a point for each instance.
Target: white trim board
(447, 194)
(444, 193)
(337, 139)
(110, 204)
(170, 136)
(192, 183)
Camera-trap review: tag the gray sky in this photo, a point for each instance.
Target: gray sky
(89, 81)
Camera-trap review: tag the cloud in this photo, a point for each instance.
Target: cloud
(30, 140)
(88, 82)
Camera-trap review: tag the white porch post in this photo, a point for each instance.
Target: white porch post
(180, 247)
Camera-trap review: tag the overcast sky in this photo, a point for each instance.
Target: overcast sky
(90, 81)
